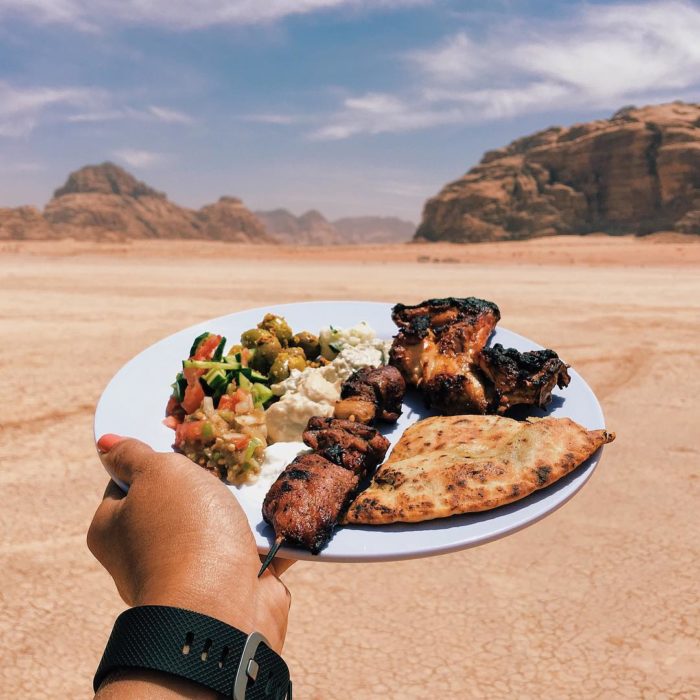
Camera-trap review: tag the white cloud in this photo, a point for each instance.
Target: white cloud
(139, 158)
(280, 119)
(21, 109)
(169, 116)
(377, 113)
(93, 117)
(600, 57)
(177, 14)
(151, 113)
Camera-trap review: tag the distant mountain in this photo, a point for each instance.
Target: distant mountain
(637, 172)
(374, 229)
(99, 202)
(312, 228)
(105, 201)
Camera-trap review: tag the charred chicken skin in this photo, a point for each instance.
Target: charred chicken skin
(441, 349)
(437, 350)
(372, 393)
(308, 498)
(523, 377)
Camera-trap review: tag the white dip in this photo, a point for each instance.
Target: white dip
(277, 457)
(314, 391)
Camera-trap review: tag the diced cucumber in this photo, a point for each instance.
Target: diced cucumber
(261, 394)
(256, 376)
(179, 386)
(197, 342)
(253, 375)
(250, 449)
(217, 380)
(209, 364)
(218, 353)
(243, 381)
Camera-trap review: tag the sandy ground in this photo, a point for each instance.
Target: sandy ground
(596, 601)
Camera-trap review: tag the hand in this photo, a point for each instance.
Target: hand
(179, 537)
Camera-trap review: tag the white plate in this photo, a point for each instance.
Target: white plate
(134, 401)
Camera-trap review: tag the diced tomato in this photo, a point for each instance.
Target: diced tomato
(240, 442)
(194, 394)
(171, 422)
(227, 403)
(207, 347)
(244, 401)
(172, 407)
(194, 431)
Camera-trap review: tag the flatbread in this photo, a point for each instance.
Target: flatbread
(448, 465)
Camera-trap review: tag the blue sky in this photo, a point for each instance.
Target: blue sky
(351, 107)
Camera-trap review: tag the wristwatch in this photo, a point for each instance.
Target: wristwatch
(198, 648)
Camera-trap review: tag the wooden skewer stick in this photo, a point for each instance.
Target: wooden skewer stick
(270, 555)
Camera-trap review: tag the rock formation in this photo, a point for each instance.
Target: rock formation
(637, 172)
(105, 202)
(230, 220)
(312, 228)
(374, 229)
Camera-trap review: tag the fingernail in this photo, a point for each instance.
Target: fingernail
(107, 442)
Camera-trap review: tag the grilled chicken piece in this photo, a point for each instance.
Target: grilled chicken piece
(307, 499)
(437, 349)
(522, 377)
(349, 444)
(372, 392)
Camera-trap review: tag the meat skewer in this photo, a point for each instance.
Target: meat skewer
(310, 495)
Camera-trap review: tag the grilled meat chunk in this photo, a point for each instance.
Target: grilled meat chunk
(307, 499)
(372, 392)
(522, 377)
(357, 409)
(437, 349)
(349, 444)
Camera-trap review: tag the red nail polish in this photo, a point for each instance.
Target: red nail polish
(107, 442)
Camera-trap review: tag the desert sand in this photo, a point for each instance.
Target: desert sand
(599, 600)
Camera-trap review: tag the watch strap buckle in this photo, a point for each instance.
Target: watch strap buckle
(248, 670)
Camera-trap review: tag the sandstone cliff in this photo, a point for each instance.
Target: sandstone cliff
(637, 172)
(106, 202)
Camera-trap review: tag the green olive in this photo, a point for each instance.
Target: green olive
(266, 348)
(285, 362)
(278, 326)
(308, 342)
(251, 338)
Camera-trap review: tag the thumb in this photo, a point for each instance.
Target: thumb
(125, 458)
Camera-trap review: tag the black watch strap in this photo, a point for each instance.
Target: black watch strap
(199, 648)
